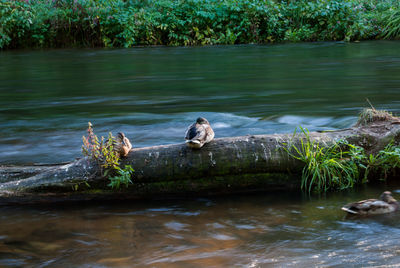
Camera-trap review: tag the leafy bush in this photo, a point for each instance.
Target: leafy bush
(126, 23)
(392, 25)
(102, 151)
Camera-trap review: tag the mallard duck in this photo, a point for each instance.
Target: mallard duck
(199, 133)
(122, 144)
(385, 204)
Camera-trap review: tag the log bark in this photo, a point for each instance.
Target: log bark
(253, 162)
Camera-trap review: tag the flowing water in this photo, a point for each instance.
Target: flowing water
(153, 94)
(260, 230)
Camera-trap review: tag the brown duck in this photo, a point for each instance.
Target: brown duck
(199, 133)
(385, 204)
(122, 144)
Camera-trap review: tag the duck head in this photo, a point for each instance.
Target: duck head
(121, 137)
(122, 144)
(202, 120)
(387, 197)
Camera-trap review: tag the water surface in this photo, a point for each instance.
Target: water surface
(259, 230)
(153, 94)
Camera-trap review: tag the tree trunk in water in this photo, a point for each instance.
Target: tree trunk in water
(224, 165)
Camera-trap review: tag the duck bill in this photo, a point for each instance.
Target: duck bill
(193, 144)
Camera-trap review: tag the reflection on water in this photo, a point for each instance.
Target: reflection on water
(153, 94)
(280, 230)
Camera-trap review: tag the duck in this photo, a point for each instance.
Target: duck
(199, 133)
(122, 145)
(385, 204)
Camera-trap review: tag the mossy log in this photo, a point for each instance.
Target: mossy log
(236, 164)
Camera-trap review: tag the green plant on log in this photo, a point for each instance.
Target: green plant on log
(75, 185)
(325, 167)
(341, 165)
(124, 177)
(386, 162)
(102, 151)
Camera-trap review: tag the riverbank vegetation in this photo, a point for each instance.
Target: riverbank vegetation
(127, 23)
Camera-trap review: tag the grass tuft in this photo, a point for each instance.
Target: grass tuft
(326, 168)
(371, 115)
(341, 165)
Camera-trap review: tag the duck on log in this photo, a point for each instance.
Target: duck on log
(225, 165)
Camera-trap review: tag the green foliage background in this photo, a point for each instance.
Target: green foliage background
(127, 23)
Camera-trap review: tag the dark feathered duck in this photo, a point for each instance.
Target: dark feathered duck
(122, 144)
(385, 204)
(199, 133)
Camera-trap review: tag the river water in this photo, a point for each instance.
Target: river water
(153, 94)
(259, 230)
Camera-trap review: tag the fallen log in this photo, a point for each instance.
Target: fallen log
(236, 164)
(11, 172)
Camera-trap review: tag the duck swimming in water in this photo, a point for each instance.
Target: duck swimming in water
(385, 204)
(199, 133)
(122, 144)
